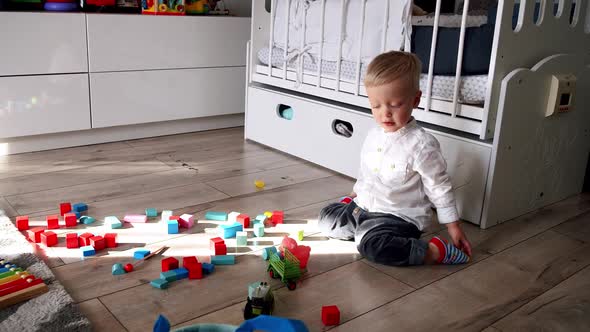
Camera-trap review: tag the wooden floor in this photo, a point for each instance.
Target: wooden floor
(531, 273)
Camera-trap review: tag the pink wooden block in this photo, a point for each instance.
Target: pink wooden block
(186, 221)
(135, 218)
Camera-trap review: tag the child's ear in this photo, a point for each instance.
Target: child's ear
(417, 98)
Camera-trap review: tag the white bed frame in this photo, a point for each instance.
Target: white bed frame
(483, 146)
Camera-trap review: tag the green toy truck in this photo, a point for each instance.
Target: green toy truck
(286, 269)
(260, 300)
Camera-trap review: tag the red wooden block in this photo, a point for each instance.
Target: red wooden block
(22, 223)
(169, 263)
(110, 240)
(49, 238)
(34, 234)
(64, 208)
(174, 218)
(243, 219)
(277, 217)
(84, 239)
(128, 268)
(188, 260)
(52, 222)
(220, 249)
(215, 241)
(72, 241)
(330, 315)
(71, 220)
(97, 242)
(195, 270)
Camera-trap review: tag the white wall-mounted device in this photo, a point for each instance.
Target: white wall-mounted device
(561, 94)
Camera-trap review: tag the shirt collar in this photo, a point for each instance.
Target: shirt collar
(402, 131)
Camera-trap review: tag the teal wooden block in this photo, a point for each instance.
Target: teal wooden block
(172, 226)
(241, 239)
(87, 251)
(168, 275)
(213, 215)
(223, 260)
(86, 220)
(181, 273)
(207, 268)
(141, 253)
(259, 230)
(261, 218)
(151, 212)
(113, 222)
(229, 231)
(118, 269)
(267, 252)
(160, 283)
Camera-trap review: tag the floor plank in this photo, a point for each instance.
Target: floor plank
(100, 317)
(563, 308)
(9, 211)
(577, 228)
(59, 154)
(474, 298)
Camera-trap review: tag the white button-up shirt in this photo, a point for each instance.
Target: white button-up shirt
(404, 173)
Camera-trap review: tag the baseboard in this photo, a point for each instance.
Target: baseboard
(113, 134)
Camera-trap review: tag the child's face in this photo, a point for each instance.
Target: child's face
(392, 104)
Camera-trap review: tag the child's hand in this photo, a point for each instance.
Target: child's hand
(459, 238)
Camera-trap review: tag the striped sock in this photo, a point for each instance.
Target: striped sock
(448, 253)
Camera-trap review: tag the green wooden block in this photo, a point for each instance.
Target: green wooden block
(151, 212)
(259, 230)
(113, 222)
(261, 218)
(223, 260)
(168, 275)
(300, 235)
(213, 215)
(242, 238)
(160, 283)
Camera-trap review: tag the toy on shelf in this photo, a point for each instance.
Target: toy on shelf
(163, 7)
(17, 285)
(260, 300)
(286, 269)
(197, 7)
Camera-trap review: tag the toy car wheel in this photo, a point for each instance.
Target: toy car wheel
(179, 8)
(271, 273)
(248, 311)
(162, 7)
(291, 285)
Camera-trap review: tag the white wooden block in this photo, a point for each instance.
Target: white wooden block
(232, 217)
(166, 214)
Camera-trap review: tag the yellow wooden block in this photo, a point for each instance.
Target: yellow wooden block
(259, 184)
(268, 214)
(300, 235)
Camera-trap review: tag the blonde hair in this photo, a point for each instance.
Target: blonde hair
(392, 66)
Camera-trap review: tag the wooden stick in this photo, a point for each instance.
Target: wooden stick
(22, 295)
(157, 252)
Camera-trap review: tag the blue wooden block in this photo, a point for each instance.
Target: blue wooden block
(213, 215)
(168, 275)
(181, 273)
(141, 253)
(207, 268)
(223, 260)
(79, 207)
(172, 226)
(151, 212)
(86, 220)
(118, 269)
(267, 251)
(259, 230)
(78, 214)
(87, 251)
(162, 324)
(160, 283)
(229, 231)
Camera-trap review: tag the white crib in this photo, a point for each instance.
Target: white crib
(505, 156)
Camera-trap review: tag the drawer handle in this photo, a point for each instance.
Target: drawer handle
(285, 112)
(342, 128)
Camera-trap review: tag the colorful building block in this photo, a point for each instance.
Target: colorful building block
(110, 240)
(241, 238)
(87, 220)
(52, 222)
(267, 252)
(261, 218)
(259, 230)
(189, 260)
(229, 231)
(22, 223)
(207, 268)
(172, 226)
(218, 246)
(195, 271)
(135, 218)
(186, 221)
(34, 234)
(141, 253)
(128, 268)
(159, 283)
(72, 241)
(151, 212)
(84, 239)
(79, 207)
(223, 260)
(168, 275)
(300, 235)
(78, 214)
(169, 263)
(214, 242)
(330, 315)
(166, 214)
(181, 273)
(71, 220)
(174, 218)
(97, 242)
(244, 219)
(87, 251)
(268, 214)
(278, 217)
(49, 238)
(64, 208)
(117, 269)
(233, 216)
(214, 215)
(113, 222)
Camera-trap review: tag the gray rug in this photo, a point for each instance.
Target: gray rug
(52, 311)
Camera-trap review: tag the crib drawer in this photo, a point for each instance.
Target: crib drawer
(309, 134)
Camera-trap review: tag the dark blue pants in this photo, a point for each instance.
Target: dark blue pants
(380, 237)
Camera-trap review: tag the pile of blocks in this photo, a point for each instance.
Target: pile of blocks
(239, 221)
(192, 269)
(89, 243)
